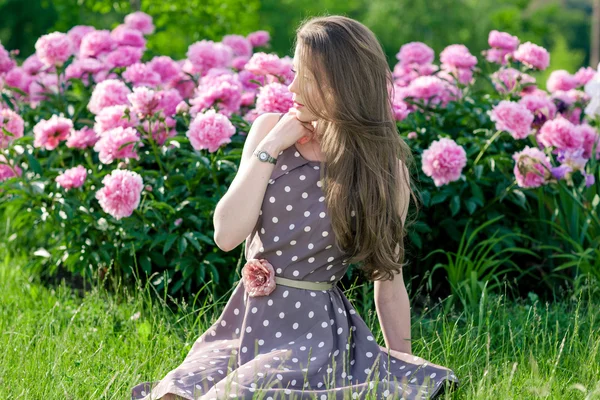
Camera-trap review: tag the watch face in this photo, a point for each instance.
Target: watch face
(263, 156)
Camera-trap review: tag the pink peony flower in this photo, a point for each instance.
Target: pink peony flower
(12, 123)
(250, 116)
(124, 36)
(453, 74)
(140, 21)
(259, 38)
(210, 130)
(77, 33)
(239, 63)
(239, 44)
(144, 101)
(561, 79)
(584, 75)
(49, 133)
(121, 193)
(166, 67)
(427, 87)
(513, 118)
(503, 40)
(444, 161)
(412, 135)
(54, 48)
(507, 79)
(498, 56)
(533, 56)
(591, 138)
(274, 97)
(6, 63)
(141, 75)
(124, 56)
(542, 107)
(110, 92)
(72, 178)
(207, 54)
(224, 91)
(82, 139)
(561, 134)
(114, 116)
(458, 56)
(168, 101)
(96, 43)
(161, 131)
(404, 74)
(19, 78)
(415, 53)
(182, 107)
(258, 277)
(263, 64)
(532, 167)
(80, 67)
(8, 169)
(43, 86)
(112, 145)
(32, 64)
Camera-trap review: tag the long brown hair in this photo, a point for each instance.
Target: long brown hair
(359, 139)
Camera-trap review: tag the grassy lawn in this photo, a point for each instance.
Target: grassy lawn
(57, 344)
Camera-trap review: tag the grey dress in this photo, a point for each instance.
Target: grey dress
(295, 343)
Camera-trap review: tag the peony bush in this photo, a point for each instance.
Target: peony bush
(112, 162)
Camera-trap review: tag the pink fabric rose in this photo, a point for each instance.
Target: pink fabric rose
(258, 277)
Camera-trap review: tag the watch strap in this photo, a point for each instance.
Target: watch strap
(268, 157)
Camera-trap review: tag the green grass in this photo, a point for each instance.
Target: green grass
(58, 345)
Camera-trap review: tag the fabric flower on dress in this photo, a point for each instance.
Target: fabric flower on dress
(258, 277)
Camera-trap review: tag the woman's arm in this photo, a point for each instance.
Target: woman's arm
(237, 212)
(391, 297)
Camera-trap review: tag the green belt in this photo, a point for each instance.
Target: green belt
(303, 284)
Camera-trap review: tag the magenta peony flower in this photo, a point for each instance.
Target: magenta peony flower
(258, 277)
(453, 74)
(42, 87)
(141, 75)
(561, 134)
(54, 48)
(12, 123)
(224, 91)
(503, 40)
(239, 62)
(207, 54)
(6, 63)
(513, 118)
(415, 53)
(140, 21)
(110, 92)
(458, 56)
(239, 44)
(584, 75)
(166, 67)
(444, 161)
(561, 79)
(77, 33)
(109, 147)
(532, 167)
(72, 178)
(498, 56)
(404, 74)
(8, 169)
(541, 106)
(245, 77)
(591, 138)
(259, 38)
(114, 116)
(82, 139)
(210, 130)
(49, 133)
(507, 79)
(274, 97)
(124, 36)
(533, 56)
(263, 64)
(81, 67)
(96, 43)
(144, 101)
(121, 193)
(124, 56)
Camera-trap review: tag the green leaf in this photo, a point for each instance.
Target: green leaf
(158, 239)
(182, 245)
(146, 264)
(169, 242)
(471, 206)
(193, 241)
(477, 193)
(455, 205)
(438, 198)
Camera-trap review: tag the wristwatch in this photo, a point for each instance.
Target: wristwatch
(264, 156)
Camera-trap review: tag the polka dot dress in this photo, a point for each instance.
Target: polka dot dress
(295, 343)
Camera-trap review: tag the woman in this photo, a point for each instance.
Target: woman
(318, 188)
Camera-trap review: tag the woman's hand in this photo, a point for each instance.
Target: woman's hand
(290, 130)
